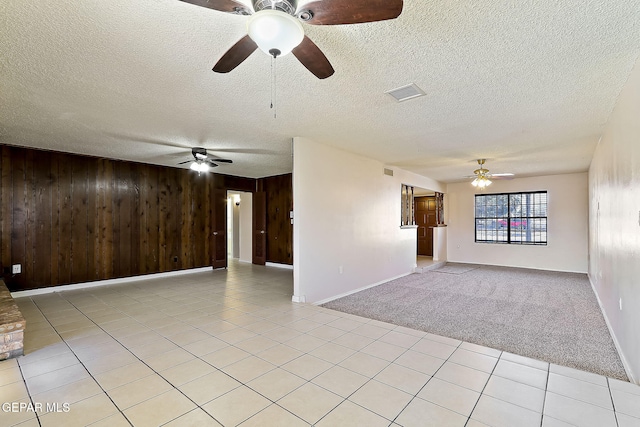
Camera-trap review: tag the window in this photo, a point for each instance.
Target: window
(515, 218)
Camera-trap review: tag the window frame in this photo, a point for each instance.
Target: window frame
(509, 219)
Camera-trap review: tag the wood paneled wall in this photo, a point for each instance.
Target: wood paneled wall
(279, 193)
(72, 219)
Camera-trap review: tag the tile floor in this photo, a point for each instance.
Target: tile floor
(426, 263)
(230, 348)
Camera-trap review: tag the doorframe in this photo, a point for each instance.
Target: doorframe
(244, 223)
(259, 228)
(218, 229)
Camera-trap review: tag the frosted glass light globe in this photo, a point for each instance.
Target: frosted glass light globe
(276, 33)
(199, 167)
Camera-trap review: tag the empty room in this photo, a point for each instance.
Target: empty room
(324, 212)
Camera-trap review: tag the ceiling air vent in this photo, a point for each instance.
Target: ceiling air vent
(388, 172)
(405, 93)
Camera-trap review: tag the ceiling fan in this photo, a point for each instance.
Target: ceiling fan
(482, 176)
(274, 27)
(202, 162)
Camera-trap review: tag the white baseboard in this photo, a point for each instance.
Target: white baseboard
(517, 266)
(625, 364)
(278, 265)
(107, 282)
(324, 301)
(299, 298)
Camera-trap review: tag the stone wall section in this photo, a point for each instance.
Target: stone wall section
(12, 326)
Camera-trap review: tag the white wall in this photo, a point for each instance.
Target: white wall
(614, 238)
(567, 225)
(245, 218)
(347, 214)
(440, 243)
(231, 225)
(236, 230)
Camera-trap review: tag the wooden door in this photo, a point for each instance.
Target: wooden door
(259, 227)
(219, 229)
(425, 211)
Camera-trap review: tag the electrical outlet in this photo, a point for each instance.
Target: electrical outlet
(340, 269)
(16, 269)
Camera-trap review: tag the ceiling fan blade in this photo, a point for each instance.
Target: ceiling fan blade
(312, 57)
(242, 150)
(229, 6)
(337, 12)
(234, 56)
(221, 160)
(504, 175)
(132, 138)
(211, 164)
(182, 163)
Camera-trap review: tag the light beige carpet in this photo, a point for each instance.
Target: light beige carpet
(545, 315)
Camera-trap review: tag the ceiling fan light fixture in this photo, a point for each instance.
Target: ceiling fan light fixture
(481, 182)
(276, 33)
(199, 167)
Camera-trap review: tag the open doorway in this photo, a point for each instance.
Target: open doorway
(425, 212)
(239, 225)
(431, 237)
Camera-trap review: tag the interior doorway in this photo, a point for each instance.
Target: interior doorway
(239, 225)
(431, 237)
(426, 220)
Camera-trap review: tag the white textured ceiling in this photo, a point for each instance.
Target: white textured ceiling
(527, 84)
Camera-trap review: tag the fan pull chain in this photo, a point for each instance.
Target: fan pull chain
(273, 85)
